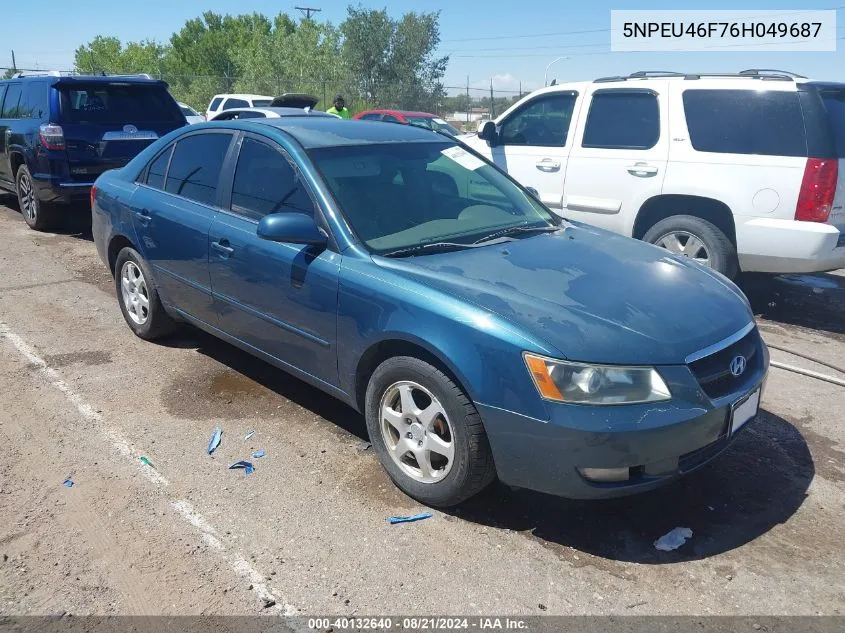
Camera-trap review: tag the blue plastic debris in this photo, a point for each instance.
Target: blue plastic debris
(410, 519)
(259, 453)
(248, 435)
(214, 442)
(248, 468)
(68, 483)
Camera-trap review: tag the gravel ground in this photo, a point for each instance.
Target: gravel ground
(306, 533)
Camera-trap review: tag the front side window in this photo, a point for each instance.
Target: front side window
(543, 122)
(195, 167)
(118, 104)
(10, 103)
(158, 169)
(265, 182)
(235, 103)
(404, 195)
(2, 95)
(622, 119)
(745, 122)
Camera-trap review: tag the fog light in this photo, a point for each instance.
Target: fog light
(605, 475)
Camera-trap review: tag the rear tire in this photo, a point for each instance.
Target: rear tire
(138, 296)
(451, 442)
(693, 237)
(38, 215)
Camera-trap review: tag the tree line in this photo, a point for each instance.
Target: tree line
(371, 58)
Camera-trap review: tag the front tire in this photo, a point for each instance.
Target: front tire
(698, 239)
(138, 296)
(427, 433)
(38, 215)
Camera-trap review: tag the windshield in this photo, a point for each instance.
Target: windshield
(188, 111)
(401, 195)
(261, 103)
(116, 103)
(433, 123)
(834, 102)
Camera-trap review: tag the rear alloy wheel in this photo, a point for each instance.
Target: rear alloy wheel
(138, 296)
(36, 214)
(697, 239)
(426, 432)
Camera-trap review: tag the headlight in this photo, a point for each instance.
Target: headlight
(563, 381)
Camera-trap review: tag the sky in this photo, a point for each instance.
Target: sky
(506, 41)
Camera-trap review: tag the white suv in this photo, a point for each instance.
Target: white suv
(229, 101)
(738, 171)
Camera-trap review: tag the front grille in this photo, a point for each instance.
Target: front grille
(714, 372)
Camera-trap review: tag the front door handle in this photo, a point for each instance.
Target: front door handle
(548, 164)
(143, 217)
(642, 168)
(224, 251)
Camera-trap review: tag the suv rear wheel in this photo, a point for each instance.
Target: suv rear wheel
(36, 214)
(698, 239)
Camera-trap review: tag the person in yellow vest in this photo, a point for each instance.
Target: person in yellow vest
(339, 108)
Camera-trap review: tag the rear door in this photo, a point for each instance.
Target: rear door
(8, 114)
(106, 124)
(833, 98)
(173, 209)
(619, 156)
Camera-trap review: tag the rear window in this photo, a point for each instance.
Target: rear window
(187, 111)
(834, 103)
(766, 122)
(118, 103)
(261, 103)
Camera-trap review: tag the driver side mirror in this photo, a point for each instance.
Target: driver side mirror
(487, 132)
(292, 228)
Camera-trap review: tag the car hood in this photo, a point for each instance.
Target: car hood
(594, 295)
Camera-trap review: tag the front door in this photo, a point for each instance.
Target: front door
(173, 210)
(619, 157)
(533, 143)
(278, 298)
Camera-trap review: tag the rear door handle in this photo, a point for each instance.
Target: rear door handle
(143, 217)
(223, 249)
(548, 164)
(642, 168)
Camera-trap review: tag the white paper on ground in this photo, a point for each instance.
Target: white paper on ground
(673, 540)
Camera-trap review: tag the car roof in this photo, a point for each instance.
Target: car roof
(315, 132)
(89, 79)
(242, 95)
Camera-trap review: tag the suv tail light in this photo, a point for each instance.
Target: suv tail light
(52, 136)
(93, 195)
(818, 189)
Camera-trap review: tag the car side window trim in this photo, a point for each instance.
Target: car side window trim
(220, 182)
(622, 92)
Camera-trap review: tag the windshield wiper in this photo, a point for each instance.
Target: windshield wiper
(511, 230)
(438, 246)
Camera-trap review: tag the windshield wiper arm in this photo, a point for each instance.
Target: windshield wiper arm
(440, 246)
(517, 229)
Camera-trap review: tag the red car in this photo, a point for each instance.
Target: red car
(421, 119)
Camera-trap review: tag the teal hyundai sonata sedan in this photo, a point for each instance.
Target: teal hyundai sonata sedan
(480, 335)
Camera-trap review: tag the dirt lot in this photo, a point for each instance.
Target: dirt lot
(306, 533)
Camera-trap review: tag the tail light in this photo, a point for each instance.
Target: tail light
(52, 136)
(93, 195)
(818, 188)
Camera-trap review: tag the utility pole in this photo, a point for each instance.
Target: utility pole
(469, 103)
(520, 89)
(492, 105)
(307, 11)
(14, 65)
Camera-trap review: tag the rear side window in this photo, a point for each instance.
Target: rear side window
(195, 167)
(158, 169)
(118, 103)
(834, 103)
(543, 122)
(10, 103)
(215, 103)
(33, 103)
(265, 182)
(235, 103)
(622, 119)
(745, 122)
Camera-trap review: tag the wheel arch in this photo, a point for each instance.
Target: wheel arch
(665, 206)
(116, 244)
(16, 159)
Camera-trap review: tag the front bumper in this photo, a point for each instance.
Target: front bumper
(658, 442)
